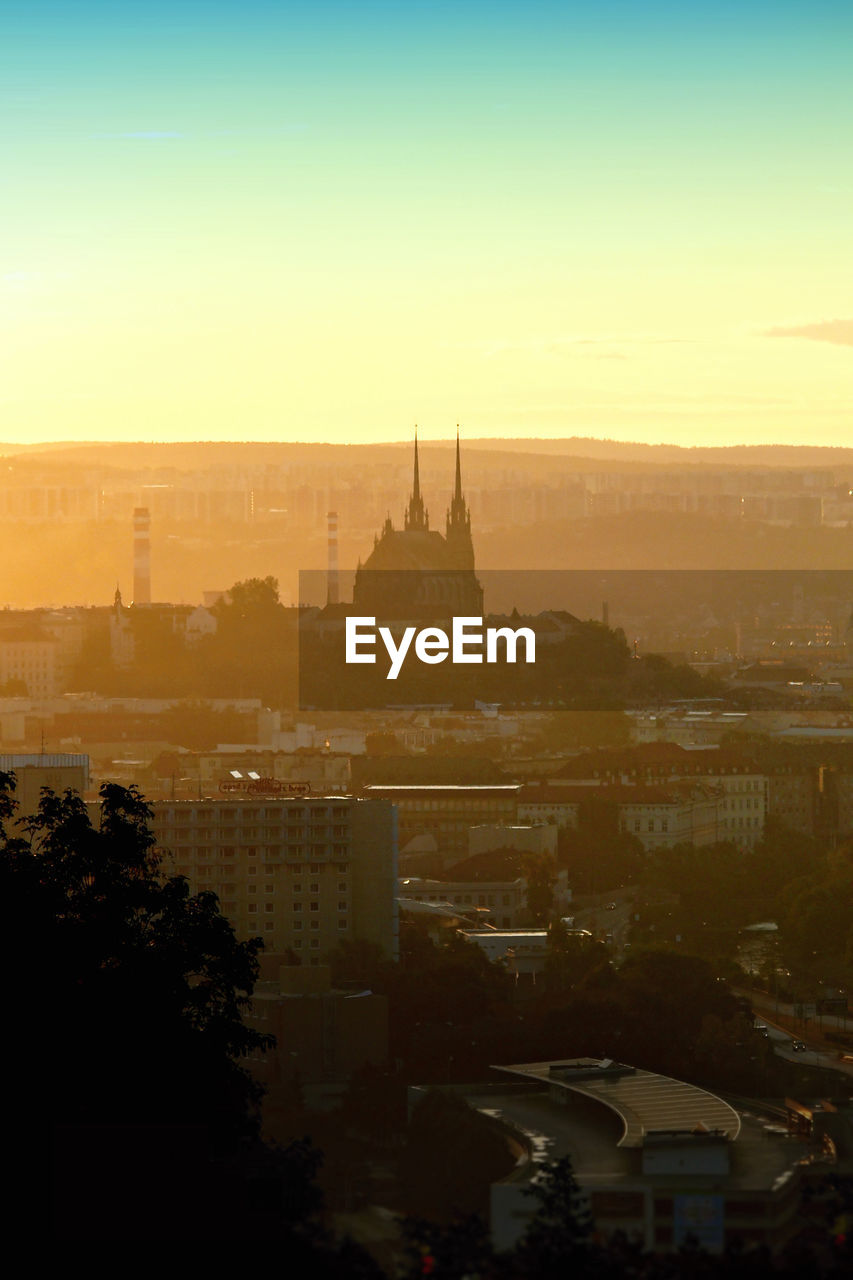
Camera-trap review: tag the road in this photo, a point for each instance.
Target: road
(602, 922)
(811, 1056)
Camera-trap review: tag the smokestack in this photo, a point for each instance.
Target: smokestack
(141, 556)
(332, 594)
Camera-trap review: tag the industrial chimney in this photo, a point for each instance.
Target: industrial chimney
(141, 556)
(332, 593)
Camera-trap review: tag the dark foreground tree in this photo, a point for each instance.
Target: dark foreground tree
(141, 985)
(123, 1009)
(560, 1242)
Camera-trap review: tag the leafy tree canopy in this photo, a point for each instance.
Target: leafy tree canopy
(146, 983)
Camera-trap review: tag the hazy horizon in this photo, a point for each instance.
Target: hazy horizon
(531, 443)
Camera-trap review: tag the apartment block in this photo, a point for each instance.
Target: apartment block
(302, 874)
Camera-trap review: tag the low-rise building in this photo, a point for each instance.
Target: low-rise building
(523, 951)
(542, 802)
(60, 772)
(540, 839)
(502, 903)
(446, 812)
(739, 784)
(30, 662)
(657, 1160)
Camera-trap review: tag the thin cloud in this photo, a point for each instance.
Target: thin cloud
(838, 332)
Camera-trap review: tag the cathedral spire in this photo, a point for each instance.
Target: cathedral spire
(459, 519)
(417, 517)
(457, 495)
(458, 516)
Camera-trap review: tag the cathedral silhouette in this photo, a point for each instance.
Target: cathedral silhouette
(417, 572)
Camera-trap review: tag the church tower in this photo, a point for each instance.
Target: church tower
(417, 516)
(458, 536)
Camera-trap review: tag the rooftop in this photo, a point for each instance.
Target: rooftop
(645, 1102)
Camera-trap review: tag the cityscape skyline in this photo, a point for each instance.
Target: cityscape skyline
(324, 223)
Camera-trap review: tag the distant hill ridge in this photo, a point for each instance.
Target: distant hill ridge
(582, 453)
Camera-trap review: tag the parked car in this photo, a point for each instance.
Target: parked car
(799, 1046)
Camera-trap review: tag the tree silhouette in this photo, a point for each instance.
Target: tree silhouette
(147, 975)
(126, 1030)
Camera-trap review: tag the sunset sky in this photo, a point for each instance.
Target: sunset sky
(329, 221)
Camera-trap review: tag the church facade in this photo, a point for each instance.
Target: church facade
(417, 572)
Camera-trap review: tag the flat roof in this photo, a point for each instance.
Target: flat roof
(505, 933)
(645, 1102)
(59, 760)
(587, 1133)
(451, 788)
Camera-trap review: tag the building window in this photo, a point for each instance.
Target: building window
(342, 886)
(342, 924)
(252, 888)
(342, 906)
(315, 924)
(297, 944)
(314, 906)
(315, 888)
(297, 906)
(268, 907)
(297, 925)
(253, 906)
(297, 886)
